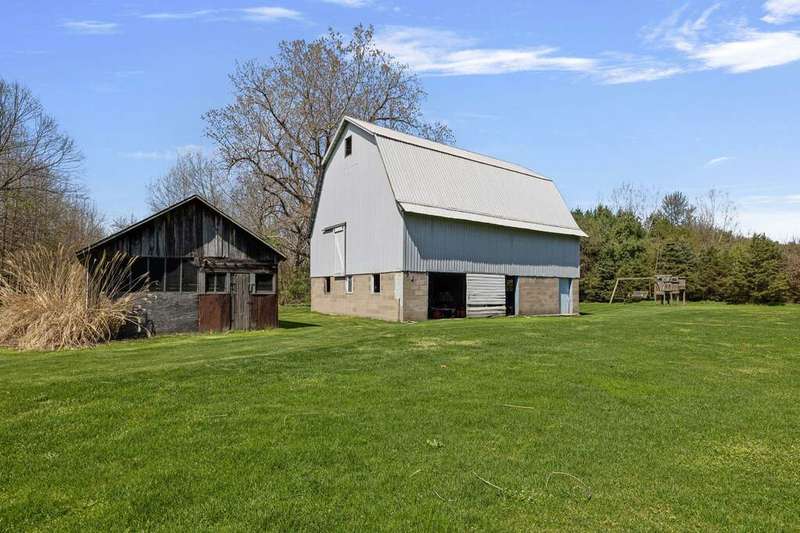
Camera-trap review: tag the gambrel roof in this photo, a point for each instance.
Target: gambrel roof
(434, 179)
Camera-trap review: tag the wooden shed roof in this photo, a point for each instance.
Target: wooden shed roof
(155, 216)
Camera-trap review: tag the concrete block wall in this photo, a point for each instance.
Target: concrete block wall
(361, 302)
(538, 296)
(415, 296)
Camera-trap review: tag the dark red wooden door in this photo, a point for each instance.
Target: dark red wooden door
(263, 311)
(214, 312)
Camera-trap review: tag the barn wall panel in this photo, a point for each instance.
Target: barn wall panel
(433, 244)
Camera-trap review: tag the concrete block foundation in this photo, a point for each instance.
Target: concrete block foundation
(404, 296)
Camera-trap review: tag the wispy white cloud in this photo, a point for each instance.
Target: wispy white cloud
(349, 3)
(730, 44)
(446, 53)
(253, 14)
(182, 15)
(168, 154)
(684, 42)
(717, 161)
(91, 27)
(753, 50)
(781, 11)
(269, 14)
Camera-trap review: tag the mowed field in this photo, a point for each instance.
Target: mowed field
(628, 417)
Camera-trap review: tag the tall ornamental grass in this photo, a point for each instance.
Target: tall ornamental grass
(50, 301)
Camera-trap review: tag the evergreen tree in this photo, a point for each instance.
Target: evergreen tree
(769, 283)
(759, 273)
(712, 272)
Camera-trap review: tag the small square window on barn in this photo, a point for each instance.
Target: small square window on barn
(173, 278)
(348, 145)
(327, 287)
(348, 284)
(188, 276)
(264, 282)
(215, 281)
(155, 273)
(376, 283)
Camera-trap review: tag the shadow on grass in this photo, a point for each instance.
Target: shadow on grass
(288, 324)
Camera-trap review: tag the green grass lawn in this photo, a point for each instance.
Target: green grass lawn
(668, 418)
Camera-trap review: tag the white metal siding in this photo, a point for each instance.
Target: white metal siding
(435, 244)
(486, 295)
(356, 192)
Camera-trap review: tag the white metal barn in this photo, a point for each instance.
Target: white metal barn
(409, 229)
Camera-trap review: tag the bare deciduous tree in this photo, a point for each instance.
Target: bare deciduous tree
(40, 201)
(717, 214)
(34, 153)
(192, 173)
(121, 222)
(634, 199)
(275, 134)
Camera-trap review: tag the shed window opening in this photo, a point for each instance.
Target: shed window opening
(163, 274)
(139, 274)
(155, 273)
(173, 275)
(327, 286)
(348, 284)
(264, 282)
(376, 283)
(188, 276)
(348, 146)
(216, 281)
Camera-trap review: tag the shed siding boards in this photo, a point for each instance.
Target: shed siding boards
(189, 230)
(356, 192)
(435, 244)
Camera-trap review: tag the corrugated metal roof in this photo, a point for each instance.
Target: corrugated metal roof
(442, 148)
(439, 180)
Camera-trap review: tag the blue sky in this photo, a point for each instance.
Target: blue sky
(666, 95)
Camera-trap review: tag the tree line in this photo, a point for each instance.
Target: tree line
(697, 240)
(265, 169)
(41, 199)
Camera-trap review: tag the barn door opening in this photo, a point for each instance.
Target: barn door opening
(512, 295)
(240, 300)
(565, 295)
(447, 295)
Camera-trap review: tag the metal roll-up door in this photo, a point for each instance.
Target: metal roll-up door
(486, 295)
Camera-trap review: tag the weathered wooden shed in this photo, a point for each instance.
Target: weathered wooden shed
(203, 270)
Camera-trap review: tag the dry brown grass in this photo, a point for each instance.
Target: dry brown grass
(48, 302)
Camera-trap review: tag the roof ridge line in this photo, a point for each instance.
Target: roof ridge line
(447, 149)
